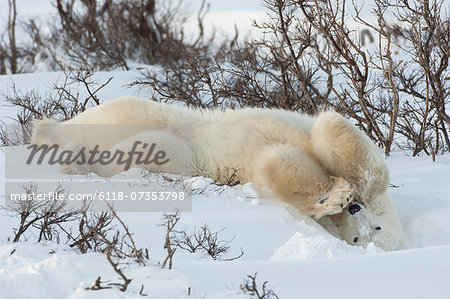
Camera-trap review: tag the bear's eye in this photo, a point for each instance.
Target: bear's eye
(377, 228)
(355, 240)
(354, 208)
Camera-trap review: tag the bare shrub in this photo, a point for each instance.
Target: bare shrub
(114, 258)
(204, 240)
(90, 226)
(235, 76)
(97, 285)
(169, 222)
(63, 103)
(201, 240)
(15, 57)
(8, 50)
(107, 34)
(18, 132)
(229, 176)
(311, 58)
(44, 218)
(424, 80)
(367, 84)
(251, 288)
(103, 232)
(99, 232)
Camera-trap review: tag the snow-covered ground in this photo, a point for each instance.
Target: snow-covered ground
(295, 255)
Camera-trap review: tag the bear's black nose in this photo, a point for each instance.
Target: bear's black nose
(354, 208)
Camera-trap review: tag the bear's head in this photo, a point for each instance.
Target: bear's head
(360, 225)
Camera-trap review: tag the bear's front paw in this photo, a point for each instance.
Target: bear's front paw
(335, 200)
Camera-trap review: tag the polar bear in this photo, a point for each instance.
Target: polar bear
(321, 165)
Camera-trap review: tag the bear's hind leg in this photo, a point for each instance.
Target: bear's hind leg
(155, 151)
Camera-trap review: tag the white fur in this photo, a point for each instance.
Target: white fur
(317, 164)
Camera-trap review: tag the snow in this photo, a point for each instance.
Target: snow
(297, 257)
(47, 269)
